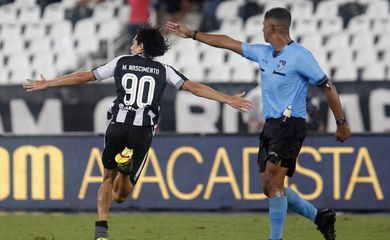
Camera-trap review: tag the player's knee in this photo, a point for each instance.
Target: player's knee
(119, 198)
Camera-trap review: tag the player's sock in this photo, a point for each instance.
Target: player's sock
(277, 214)
(299, 205)
(101, 230)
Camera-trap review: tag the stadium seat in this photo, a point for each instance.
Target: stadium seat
(194, 73)
(29, 15)
(24, 3)
(8, 14)
(272, 4)
(66, 61)
(12, 46)
(337, 41)
(168, 58)
(302, 9)
(19, 75)
(32, 31)
(184, 44)
(87, 45)
(110, 30)
(38, 45)
(11, 32)
(123, 13)
(361, 39)
(188, 57)
(69, 3)
(304, 26)
(383, 41)
(380, 25)
(4, 75)
(43, 61)
(365, 56)
(60, 29)
(327, 10)
(377, 9)
(213, 56)
(359, 24)
(243, 73)
(235, 59)
(311, 41)
(85, 28)
(104, 11)
(219, 74)
(346, 72)
(374, 72)
(254, 25)
(53, 12)
(232, 27)
(227, 9)
(63, 44)
(330, 26)
(386, 58)
(340, 57)
(15, 61)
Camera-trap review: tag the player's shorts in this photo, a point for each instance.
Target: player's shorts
(281, 141)
(121, 135)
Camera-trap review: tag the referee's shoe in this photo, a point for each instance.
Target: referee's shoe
(325, 221)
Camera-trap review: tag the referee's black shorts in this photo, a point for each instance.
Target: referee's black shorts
(281, 141)
(121, 135)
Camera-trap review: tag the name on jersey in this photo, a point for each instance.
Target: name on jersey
(140, 68)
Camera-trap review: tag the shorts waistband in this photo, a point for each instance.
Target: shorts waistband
(270, 120)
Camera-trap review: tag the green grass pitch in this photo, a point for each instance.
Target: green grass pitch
(184, 226)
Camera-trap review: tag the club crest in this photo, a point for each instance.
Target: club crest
(281, 65)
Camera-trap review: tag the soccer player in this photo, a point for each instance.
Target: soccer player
(140, 83)
(286, 69)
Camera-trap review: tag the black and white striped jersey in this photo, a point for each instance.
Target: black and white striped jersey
(140, 83)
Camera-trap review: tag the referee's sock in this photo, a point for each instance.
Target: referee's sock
(299, 205)
(277, 214)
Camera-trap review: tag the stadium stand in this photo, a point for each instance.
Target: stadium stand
(46, 35)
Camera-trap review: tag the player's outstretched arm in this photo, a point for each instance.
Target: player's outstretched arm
(220, 41)
(71, 79)
(342, 132)
(204, 91)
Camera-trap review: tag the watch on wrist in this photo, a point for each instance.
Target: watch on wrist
(341, 121)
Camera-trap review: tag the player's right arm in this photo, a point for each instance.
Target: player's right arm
(215, 40)
(67, 80)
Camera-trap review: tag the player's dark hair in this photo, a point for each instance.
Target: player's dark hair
(155, 44)
(279, 14)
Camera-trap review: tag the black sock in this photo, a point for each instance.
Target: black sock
(101, 224)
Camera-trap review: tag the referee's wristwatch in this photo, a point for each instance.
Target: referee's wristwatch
(341, 121)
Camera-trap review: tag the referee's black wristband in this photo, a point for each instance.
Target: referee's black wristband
(194, 35)
(341, 121)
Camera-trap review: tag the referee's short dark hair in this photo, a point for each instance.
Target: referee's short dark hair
(155, 44)
(279, 14)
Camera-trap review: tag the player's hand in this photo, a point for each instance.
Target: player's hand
(342, 132)
(179, 29)
(33, 85)
(240, 103)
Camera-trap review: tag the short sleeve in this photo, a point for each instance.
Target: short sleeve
(174, 77)
(253, 51)
(107, 70)
(307, 66)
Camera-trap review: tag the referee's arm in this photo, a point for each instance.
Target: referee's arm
(215, 40)
(204, 91)
(67, 80)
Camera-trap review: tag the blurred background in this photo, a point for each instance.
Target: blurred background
(204, 153)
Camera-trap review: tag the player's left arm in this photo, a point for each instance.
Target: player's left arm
(307, 66)
(201, 90)
(75, 78)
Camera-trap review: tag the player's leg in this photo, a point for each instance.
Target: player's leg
(104, 204)
(273, 180)
(113, 145)
(129, 172)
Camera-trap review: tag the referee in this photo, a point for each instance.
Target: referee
(140, 82)
(286, 69)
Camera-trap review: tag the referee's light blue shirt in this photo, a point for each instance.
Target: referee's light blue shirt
(284, 77)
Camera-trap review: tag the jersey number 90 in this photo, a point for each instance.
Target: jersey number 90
(135, 90)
